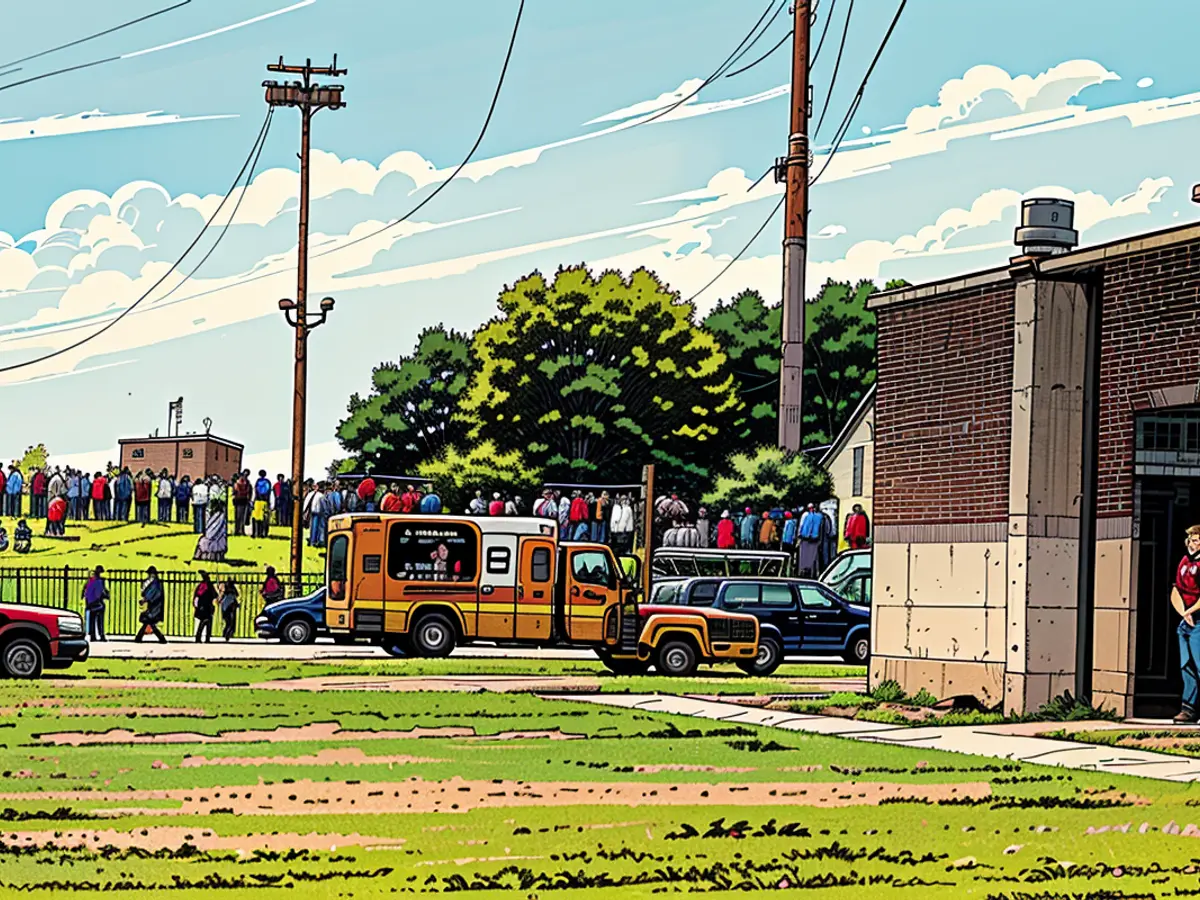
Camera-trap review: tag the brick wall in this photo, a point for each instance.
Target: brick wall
(943, 408)
(1151, 340)
(207, 457)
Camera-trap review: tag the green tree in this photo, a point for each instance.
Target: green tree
(34, 458)
(748, 331)
(410, 414)
(768, 476)
(839, 358)
(594, 377)
(457, 474)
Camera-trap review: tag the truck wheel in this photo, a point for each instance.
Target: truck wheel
(434, 637)
(623, 666)
(22, 657)
(770, 655)
(297, 631)
(859, 650)
(676, 658)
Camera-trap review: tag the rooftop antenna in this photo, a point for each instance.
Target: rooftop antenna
(207, 424)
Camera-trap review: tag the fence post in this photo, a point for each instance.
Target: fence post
(66, 586)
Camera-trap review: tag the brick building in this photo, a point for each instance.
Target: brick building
(1037, 453)
(195, 455)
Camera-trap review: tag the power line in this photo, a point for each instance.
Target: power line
(742, 252)
(836, 67)
(845, 126)
(87, 65)
(720, 70)
(255, 150)
(783, 40)
(765, 29)
(98, 34)
(470, 154)
(824, 31)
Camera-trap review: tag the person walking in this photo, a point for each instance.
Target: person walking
(154, 603)
(230, 605)
(272, 588)
(95, 595)
(183, 499)
(204, 604)
(1185, 599)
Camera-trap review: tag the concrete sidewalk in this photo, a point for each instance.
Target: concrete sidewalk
(996, 741)
(249, 649)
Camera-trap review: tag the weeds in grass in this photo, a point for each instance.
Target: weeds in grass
(1065, 708)
(888, 692)
(923, 698)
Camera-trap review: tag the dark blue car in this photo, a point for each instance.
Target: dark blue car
(300, 620)
(797, 617)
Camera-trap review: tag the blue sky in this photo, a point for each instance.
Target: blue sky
(972, 107)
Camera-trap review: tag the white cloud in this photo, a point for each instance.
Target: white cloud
(1145, 82)
(648, 107)
(829, 231)
(88, 122)
(989, 102)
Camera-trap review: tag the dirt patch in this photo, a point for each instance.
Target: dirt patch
(147, 712)
(341, 756)
(500, 684)
(153, 839)
(458, 795)
(654, 770)
(318, 731)
(130, 684)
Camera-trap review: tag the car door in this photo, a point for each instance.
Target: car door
(593, 588)
(824, 620)
(778, 606)
(535, 589)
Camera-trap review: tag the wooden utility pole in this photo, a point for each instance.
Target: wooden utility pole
(792, 170)
(648, 528)
(309, 98)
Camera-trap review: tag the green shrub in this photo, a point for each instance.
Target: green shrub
(888, 692)
(1065, 708)
(923, 698)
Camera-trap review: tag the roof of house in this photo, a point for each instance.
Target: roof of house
(183, 439)
(1084, 257)
(864, 406)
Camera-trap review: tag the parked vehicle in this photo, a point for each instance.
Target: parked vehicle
(299, 620)
(422, 585)
(797, 617)
(850, 576)
(667, 562)
(33, 638)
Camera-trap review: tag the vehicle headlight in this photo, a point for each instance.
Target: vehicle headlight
(70, 625)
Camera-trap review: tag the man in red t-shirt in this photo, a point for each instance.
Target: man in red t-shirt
(392, 502)
(1185, 597)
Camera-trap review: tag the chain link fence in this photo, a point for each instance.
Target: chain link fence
(62, 588)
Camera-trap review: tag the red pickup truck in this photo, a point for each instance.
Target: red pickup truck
(37, 637)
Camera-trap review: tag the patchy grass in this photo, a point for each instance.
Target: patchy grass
(129, 545)
(715, 680)
(748, 813)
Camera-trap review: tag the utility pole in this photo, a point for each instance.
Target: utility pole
(792, 170)
(309, 98)
(648, 528)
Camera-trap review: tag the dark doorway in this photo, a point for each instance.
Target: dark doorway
(1168, 507)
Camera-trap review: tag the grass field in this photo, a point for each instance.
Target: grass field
(128, 545)
(126, 785)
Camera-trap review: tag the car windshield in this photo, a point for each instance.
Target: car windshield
(845, 566)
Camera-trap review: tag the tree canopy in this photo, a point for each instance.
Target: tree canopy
(597, 376)
(766, 477)
(410, 415)
(458, 473)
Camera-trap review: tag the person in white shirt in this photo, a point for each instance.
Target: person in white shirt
(166, 493)
(199, 504)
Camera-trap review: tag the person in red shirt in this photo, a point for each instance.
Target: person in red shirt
(37, 490)
(393, 502)
(725, 535)
(496, 507)
(410, 500)
(56, 517)
(99, 483)
(858, 528)
(1185, 597)
(366, 493)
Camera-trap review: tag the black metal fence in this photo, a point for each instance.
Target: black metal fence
(62, 587)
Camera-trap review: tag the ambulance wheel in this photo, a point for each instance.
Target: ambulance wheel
(623, 666)
(676, 658)
(433, 637)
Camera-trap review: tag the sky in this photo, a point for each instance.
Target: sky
(109, 173)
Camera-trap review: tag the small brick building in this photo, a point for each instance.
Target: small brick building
(998, 393)
(195, 455)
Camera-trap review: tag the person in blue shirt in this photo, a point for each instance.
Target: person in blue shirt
(262, 487)
(123, 495)
(431, 503)
(73, 494)
(85, 494)
(13, 488)
(183, 499)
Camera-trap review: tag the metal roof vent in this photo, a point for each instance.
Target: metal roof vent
(1046, 227)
